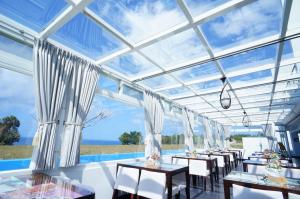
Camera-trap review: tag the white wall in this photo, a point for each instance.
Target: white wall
(253, 144)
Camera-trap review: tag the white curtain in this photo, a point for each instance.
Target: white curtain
(189, 124)
(227, 134)
(154, 120)
(51, 73)
(208, 138)
(79, 98)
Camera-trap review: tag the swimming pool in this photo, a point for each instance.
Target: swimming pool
(24, 163)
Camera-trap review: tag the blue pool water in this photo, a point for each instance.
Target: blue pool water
(24, 163)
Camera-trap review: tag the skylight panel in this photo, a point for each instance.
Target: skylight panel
(177, 92)
(256, 90)
(255, 98)
(250, 59)
(207, 86)
(35, 14)
(252, 78)
(127, 90)
(159, 82)
(288, 72)
(190, 100)
(245, 24)
(287, 85)
(256, 104)
(294, 23)
(87, 37)
(198, 7)
(15, 48)
(199, 72)
(132, 65)
(139, 20)
(177, 49)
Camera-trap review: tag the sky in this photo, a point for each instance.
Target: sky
(137, 20)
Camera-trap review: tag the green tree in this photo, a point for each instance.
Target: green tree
(9, 132)
(125, 138)
(133, 137)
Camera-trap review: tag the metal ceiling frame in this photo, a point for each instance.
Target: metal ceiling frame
(77, 6)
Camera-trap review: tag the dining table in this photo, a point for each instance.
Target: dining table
(260, 163)
(257, 181)
(40, 185)
(169, 169)
(225, 156)
(212, 164)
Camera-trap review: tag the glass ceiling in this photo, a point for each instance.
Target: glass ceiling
(156, 45)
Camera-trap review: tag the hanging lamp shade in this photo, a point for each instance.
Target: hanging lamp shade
(225, 98)
(246, 121)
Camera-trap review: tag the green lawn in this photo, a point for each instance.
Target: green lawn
(14, 152)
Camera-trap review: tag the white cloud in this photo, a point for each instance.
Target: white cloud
(249, 20)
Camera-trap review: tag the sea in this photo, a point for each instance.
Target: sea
(28, 141)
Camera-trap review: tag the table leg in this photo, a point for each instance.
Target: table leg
(169, 186)
(244, 167)
(226, 190)
(187, 188)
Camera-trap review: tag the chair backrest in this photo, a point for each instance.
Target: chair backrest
(127, 180)
(293, 196)
(180, 161)
(291, 172)
(152, 185)
(284, 161)
(256, 169)
(220, 160)
(198, 167)
(203, 156)
(240, 192)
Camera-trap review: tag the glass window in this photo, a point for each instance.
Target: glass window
(207, 86)
(176, 92)
(252, 78)
(117, 134)
(13, 47)
(108, 83)
(127, 90)
(250, 59)
(198, 7)
(198, 72)
(90, 39)
(172, 136)
(17, 104)
(176, 49)
(245, 24)
(132, 65)
(138, 20)
(34, 14)
(159, 82)
(198, 137)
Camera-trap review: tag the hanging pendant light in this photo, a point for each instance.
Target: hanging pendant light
(225, 98)
(246, 121)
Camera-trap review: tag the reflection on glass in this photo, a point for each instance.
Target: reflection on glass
(138, 20)
(176, 49)
(245, 24)
(131, 65)
(90, 39)
(33, 14)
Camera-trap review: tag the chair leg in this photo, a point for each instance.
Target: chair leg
(177, 196)
(115, 194)
(211, 182)
(204, 183)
